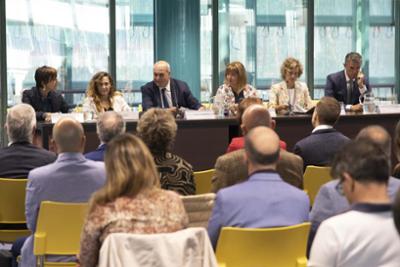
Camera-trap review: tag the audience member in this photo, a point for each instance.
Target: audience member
(396, 211)
(43, 97)
(109, 124)
(365, 235)
(321, 146)
(157, 128)
(329, 202)
(101, 95)
(238, 142)
(71, 178)
(290, 94)
(264, 200)
(349, 84)
(166, 92)
(131, 200)
(21, 156)
(396, 169)
(235, 87)
(231, 168)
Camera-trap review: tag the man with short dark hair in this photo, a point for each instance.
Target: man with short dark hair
(264, 199)
(329, 202)
(21, 156)
(349, 84)
(320, 147)
(109, 124)
(365, 235)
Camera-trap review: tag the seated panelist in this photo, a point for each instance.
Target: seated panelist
(43, 97)
(166, 92)
(290, 94)
(349, 84)
(101, 95)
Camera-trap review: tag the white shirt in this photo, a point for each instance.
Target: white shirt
(167, 94)
(322, 127)
(362, 90)
(356, 238)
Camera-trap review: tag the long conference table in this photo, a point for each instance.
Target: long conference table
(201, 142)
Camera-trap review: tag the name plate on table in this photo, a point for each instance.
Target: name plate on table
(56, 116)
(200, 115)
(391, 108)
(130, 115)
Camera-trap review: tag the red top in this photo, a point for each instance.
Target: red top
(238, 143)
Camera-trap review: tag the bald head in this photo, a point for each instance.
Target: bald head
(68, 135)
(262, 147)
(377, 135)
(254, 116)
(161, 73)
(109, 125)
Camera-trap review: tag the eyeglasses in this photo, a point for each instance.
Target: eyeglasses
(339, 187)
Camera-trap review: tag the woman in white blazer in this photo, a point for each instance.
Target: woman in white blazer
(102, 96)
(290, 94)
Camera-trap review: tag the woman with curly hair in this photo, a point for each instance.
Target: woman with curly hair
(131, 200)
(102, 96)
(290, 93)
(157, 128)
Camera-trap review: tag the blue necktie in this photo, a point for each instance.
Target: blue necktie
(164, 98)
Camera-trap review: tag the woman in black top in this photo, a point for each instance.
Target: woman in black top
(43, 97)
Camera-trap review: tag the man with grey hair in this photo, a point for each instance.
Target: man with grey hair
(264, 199)
(71, 178)
(109, 124)
(21, 156)
(166, 92)
(349, 84)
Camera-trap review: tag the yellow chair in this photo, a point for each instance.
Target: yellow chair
(58, 231)
(314, 177)
(264, 247)
(12, 208)
(203, 181)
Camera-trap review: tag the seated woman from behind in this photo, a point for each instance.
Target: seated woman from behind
(157, 128)
(102, 96)
(130, 201)
(290, 94)
(235, 87)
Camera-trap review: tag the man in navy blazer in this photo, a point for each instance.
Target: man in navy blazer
(349, 84)
(109, 124)
(320, 147)
(166, 92)
(264, 200)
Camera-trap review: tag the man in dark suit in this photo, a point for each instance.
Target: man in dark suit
(166, 92)
(349, 84)
(323, 143)
(109, 124)
(21, 156)
(44, 98)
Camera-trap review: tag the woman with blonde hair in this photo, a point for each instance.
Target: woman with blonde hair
(102, 96)
(290, 94)
(131, 201)
(235, 87)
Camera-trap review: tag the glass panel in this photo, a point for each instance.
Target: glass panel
(63, 36)
(333, 39)
(205, 49)
(135, 47)
(281, 33)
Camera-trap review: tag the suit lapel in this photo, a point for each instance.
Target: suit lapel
(157, 95)
(174, 92)
(343, 85)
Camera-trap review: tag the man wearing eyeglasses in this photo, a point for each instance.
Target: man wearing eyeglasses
(365, 235)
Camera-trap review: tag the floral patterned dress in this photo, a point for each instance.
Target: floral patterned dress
(226, 98)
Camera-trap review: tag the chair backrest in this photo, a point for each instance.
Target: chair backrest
(314, 177)
(188, 247)
(199, 208)
(203, 181)
(12, 208)
(281, 246)
(58, 228)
